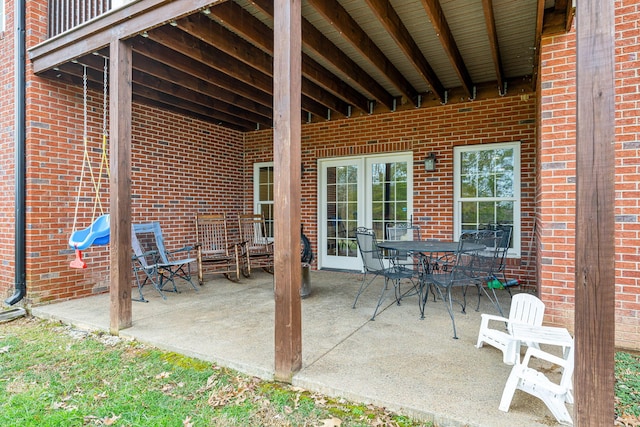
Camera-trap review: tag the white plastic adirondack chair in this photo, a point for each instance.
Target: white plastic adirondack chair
(534, 382)
(525, 308)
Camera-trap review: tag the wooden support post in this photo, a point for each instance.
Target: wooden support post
(120, 184)
(595, 225)
(287, 79)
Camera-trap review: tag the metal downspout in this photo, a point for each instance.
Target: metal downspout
(20, 155)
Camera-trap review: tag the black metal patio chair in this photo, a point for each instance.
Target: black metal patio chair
(373, 261)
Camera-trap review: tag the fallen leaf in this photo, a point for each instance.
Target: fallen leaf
(628, 421)
(332, 422)
(187, 422)
(109, 421)
(162, 375)
(5, 349)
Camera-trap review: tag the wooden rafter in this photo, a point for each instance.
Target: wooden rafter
(351, 31)
(440, 25)
(317, 42)
(260, 35)
(215, 58)
(201, 75)
(393, 24)
(170, 94)
(123, 23)
(489, 17)
(538, 41)
(216, 35)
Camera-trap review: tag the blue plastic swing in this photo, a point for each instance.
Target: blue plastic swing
(97, 233)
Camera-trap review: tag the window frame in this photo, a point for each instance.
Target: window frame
(257, 203)
(516, 198)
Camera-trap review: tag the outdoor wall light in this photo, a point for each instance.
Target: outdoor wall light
(430, 162)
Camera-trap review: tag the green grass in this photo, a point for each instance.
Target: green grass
(627, 389)
(53, 375)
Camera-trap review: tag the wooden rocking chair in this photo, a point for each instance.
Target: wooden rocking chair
(214, 253)
(257, 250)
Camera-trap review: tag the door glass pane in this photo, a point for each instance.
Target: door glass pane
(341, 213)
(389, 195)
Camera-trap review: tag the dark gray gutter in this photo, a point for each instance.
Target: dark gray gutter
(20, 154)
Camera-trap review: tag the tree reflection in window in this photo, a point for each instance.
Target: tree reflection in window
(487, 187)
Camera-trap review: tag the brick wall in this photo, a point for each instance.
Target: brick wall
(557, 176)
(425, 130)
(627, 208)
(180, 167)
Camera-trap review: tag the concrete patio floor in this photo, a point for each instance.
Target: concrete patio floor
(408, 365)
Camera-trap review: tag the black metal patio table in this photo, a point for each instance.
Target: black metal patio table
(429, 255)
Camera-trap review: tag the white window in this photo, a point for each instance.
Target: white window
(263, 193)
(487, 188)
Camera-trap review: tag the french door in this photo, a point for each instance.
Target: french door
(371, 192)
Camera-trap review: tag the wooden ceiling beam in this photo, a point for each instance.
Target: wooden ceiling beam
(352, 32)
(158, 70)
(120, 23)
(216, 35)
(559, 18)
(200, 51)
(152, 88)
(188, 113)
(386, 14)
(153, 74)
(260, 35)
(174, 101)
(490, 20)
(188, 95)
(440, 25)
(218, 81)
(207, 54)
(540, 18)
(317, 42)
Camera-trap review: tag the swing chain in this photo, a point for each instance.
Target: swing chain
(104, 95)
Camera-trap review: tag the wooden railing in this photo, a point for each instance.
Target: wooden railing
(66, 14)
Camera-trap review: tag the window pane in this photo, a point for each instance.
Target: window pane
(342, 175)
(342, 193)
(504, 184)
(468, 186)
(469, 213)
(468, 162)
(487, 184)
(353, 211)
(504, 212)
(486, 213)
(401, 191)
(377, 192)
(376, 211)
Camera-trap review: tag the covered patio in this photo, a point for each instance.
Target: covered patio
(398, 361)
